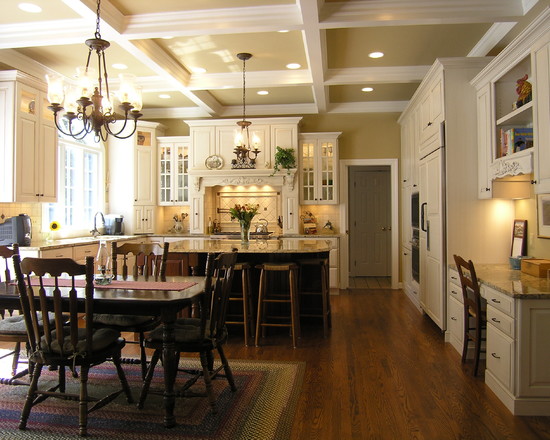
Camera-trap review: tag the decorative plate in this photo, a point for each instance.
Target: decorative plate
(213, 162)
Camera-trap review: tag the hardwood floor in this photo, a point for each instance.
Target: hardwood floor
(369, 283)
(385, 372)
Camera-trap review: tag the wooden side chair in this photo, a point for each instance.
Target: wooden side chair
(202, 335)
(145, 257)
(475, 317)
(12, 325)
(64, 345)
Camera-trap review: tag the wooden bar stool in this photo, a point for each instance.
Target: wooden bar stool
(245, 315)
(274, 295)
(314, 282)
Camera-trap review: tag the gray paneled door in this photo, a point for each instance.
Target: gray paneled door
(370, 221)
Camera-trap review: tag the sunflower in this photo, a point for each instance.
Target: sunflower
(54, 226)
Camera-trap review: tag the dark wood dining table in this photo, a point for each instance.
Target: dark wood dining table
(161, 301)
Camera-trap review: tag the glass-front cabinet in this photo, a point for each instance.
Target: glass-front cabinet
(319, 168)
(173, 170)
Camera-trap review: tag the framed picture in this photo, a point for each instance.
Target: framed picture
(519, 238)
(543, 215)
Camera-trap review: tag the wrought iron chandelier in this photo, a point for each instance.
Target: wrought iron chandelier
(245, 152)
(87, 108)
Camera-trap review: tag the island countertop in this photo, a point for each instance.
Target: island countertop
(279, 246)
(512, 282)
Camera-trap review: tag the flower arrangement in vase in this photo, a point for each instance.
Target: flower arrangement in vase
(244, 214)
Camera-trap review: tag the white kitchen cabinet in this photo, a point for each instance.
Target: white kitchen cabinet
(173, 160)
(133, 177)
(319, 168)
(144, 219)
(455, 312)
(498, 111)
(28, 140)
(217, 137)
(444, 144)
(88, 250)
(541, 69)
(431, 112)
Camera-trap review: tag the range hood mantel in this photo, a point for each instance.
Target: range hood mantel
(208, 178)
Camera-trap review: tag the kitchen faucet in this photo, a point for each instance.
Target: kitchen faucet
(95, 232)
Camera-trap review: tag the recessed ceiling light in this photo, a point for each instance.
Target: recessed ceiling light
(367, 89)
(263, 92)
(164, 96)
(166, 38)
(30, 7)
(119, 66)
(293, 66)
(283, 31)
(376, 54)
(198, 70)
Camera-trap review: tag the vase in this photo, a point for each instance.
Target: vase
(245, 231)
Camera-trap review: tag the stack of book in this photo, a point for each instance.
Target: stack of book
(513, 140)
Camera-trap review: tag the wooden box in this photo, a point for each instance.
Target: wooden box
(535, 267)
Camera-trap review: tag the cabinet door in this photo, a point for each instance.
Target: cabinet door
(455, 323)
(144, 183)
(327, 173)
(48, 163)
(27, 160)
(500, 352)
(484, 141)
(541, 61)
(180, 176)
(202, 144)
(308, 171)
(431, 111)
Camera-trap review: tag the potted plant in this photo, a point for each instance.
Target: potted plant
(284, 158)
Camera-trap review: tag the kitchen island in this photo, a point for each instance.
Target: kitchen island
(518, 328)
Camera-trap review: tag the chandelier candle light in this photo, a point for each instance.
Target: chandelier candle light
(87, 108)
(244, 149)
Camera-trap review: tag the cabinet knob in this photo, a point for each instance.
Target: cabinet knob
(533, 182)
(429, 123)
(495, 356)
(495, 320)
(495, 300)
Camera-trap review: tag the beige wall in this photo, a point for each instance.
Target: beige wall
(364, 136)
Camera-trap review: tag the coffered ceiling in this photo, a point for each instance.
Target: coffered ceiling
(163, 42)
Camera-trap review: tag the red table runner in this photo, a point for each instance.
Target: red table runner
(123, 284)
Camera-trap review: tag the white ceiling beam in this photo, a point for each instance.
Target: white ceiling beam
(316, 53)
(214, 21)
(406, 12)
(491, 38)
(270, 109)
(360, 75)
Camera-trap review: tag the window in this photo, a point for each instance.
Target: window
(81, 185)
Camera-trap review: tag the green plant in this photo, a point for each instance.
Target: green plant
(284, 158)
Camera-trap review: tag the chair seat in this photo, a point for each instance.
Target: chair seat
(125, 321)
(13, 325)
(187, 336)
(101, 339)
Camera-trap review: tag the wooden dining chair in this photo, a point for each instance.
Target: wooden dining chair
(202, 335)
(12, 324)
(475, 316)
(64, 345)
(144, 258)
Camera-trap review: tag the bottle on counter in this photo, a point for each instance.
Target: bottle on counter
(103, 261)
(210, 227)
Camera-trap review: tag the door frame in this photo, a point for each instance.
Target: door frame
(344, 215)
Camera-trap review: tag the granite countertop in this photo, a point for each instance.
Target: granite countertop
(512, 282)
(37, 245)
(279, 246)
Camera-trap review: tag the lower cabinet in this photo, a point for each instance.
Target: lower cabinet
(500, 355)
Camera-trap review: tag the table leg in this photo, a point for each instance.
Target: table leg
(170, 367)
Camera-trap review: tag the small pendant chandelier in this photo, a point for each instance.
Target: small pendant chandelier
(87, 108)
(245, 152)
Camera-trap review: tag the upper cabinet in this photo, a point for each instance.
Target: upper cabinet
(133, 177)
(512, 110)
(212, 142)
(28, 140)
(173, 161)
(319, 168)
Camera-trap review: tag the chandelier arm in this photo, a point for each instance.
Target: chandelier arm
(106, 77)
(117, 135)
(86, 127)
